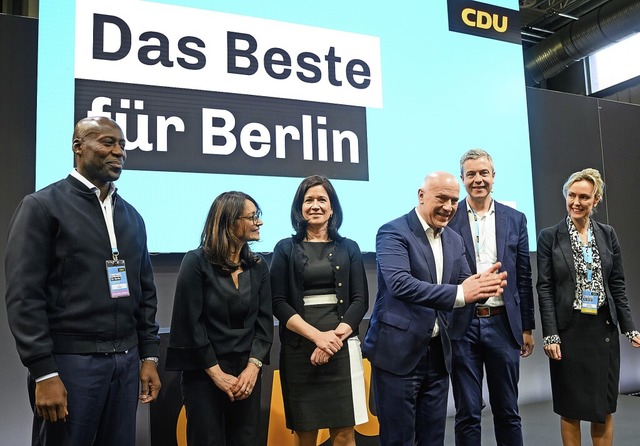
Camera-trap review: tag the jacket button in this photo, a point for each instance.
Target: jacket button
(606, 339)
(608, 322)
(341, 301)
(339, 284)
(337, 266)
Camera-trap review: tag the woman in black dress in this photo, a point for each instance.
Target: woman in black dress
(222, 326)
(581, 291)
(320, 295)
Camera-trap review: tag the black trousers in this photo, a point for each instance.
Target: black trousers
(212, 418)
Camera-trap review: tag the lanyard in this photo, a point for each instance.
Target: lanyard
(477, 234)
(107, 212)
(587, 255)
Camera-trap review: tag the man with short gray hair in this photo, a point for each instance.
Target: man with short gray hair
(493, 334)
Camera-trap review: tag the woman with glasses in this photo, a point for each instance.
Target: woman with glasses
(320, 296)
(222, 326)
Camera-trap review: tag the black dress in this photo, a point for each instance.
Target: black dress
(330, 395)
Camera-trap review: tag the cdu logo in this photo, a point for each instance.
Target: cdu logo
(483, 20)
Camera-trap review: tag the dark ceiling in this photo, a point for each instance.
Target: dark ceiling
(541, 19)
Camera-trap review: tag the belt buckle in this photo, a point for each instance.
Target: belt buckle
(483, 311)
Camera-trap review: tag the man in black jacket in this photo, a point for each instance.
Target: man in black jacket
(81, 301)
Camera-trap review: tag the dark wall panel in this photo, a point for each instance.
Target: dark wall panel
(565, 137)
(620, 125)
(569, 133)
(18, 49)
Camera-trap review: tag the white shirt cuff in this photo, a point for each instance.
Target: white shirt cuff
(50, 375)
(459, 298)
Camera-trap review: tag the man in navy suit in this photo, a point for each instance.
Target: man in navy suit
(491, 335)
(422, 275)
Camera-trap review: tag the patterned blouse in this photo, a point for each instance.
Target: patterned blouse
(597, 284)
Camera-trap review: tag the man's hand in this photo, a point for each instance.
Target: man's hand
(527, 343)
(487, 284)
(149, 382)
(51, 399)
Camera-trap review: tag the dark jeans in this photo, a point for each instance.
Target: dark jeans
(102, 399)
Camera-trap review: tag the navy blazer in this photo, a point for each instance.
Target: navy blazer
(513, 251)
(409, 298)
(557, 277)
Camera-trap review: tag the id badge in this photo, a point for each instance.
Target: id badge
(589, 302)
(117, 277)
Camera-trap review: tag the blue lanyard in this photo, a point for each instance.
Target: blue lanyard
(477, 234)
(587, 255)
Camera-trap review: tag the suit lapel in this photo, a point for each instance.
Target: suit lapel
(603, 249)
(501, 230)
(447, 250)
(565, 246)
(465, 232)
(423, 243)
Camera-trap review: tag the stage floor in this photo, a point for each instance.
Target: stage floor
(541, 426)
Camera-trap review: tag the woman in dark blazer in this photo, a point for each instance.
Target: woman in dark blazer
(222, 326)
(320, 295)
(582, 297)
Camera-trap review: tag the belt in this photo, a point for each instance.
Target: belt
(320, 299)
(489, 311)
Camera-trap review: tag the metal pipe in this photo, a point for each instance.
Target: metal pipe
(601, 27)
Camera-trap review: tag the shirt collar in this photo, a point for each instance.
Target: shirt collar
(92, 187)
(491, 211)
(426, 228)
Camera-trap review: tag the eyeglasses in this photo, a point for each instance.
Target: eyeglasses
(255, 218)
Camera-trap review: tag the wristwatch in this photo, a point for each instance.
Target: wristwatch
(255, 362)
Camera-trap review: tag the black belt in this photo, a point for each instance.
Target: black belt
(489, 311)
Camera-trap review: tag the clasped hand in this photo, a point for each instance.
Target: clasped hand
(486, 284)
(327, 344)
(320, 356)
(237, 388)
(328, 341)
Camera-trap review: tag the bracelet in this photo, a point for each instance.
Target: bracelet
(155, 359)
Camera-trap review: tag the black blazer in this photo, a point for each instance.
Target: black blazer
(201, 324)
(557, 277)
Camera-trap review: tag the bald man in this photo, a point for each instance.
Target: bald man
(81, 301)
(422, 275)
